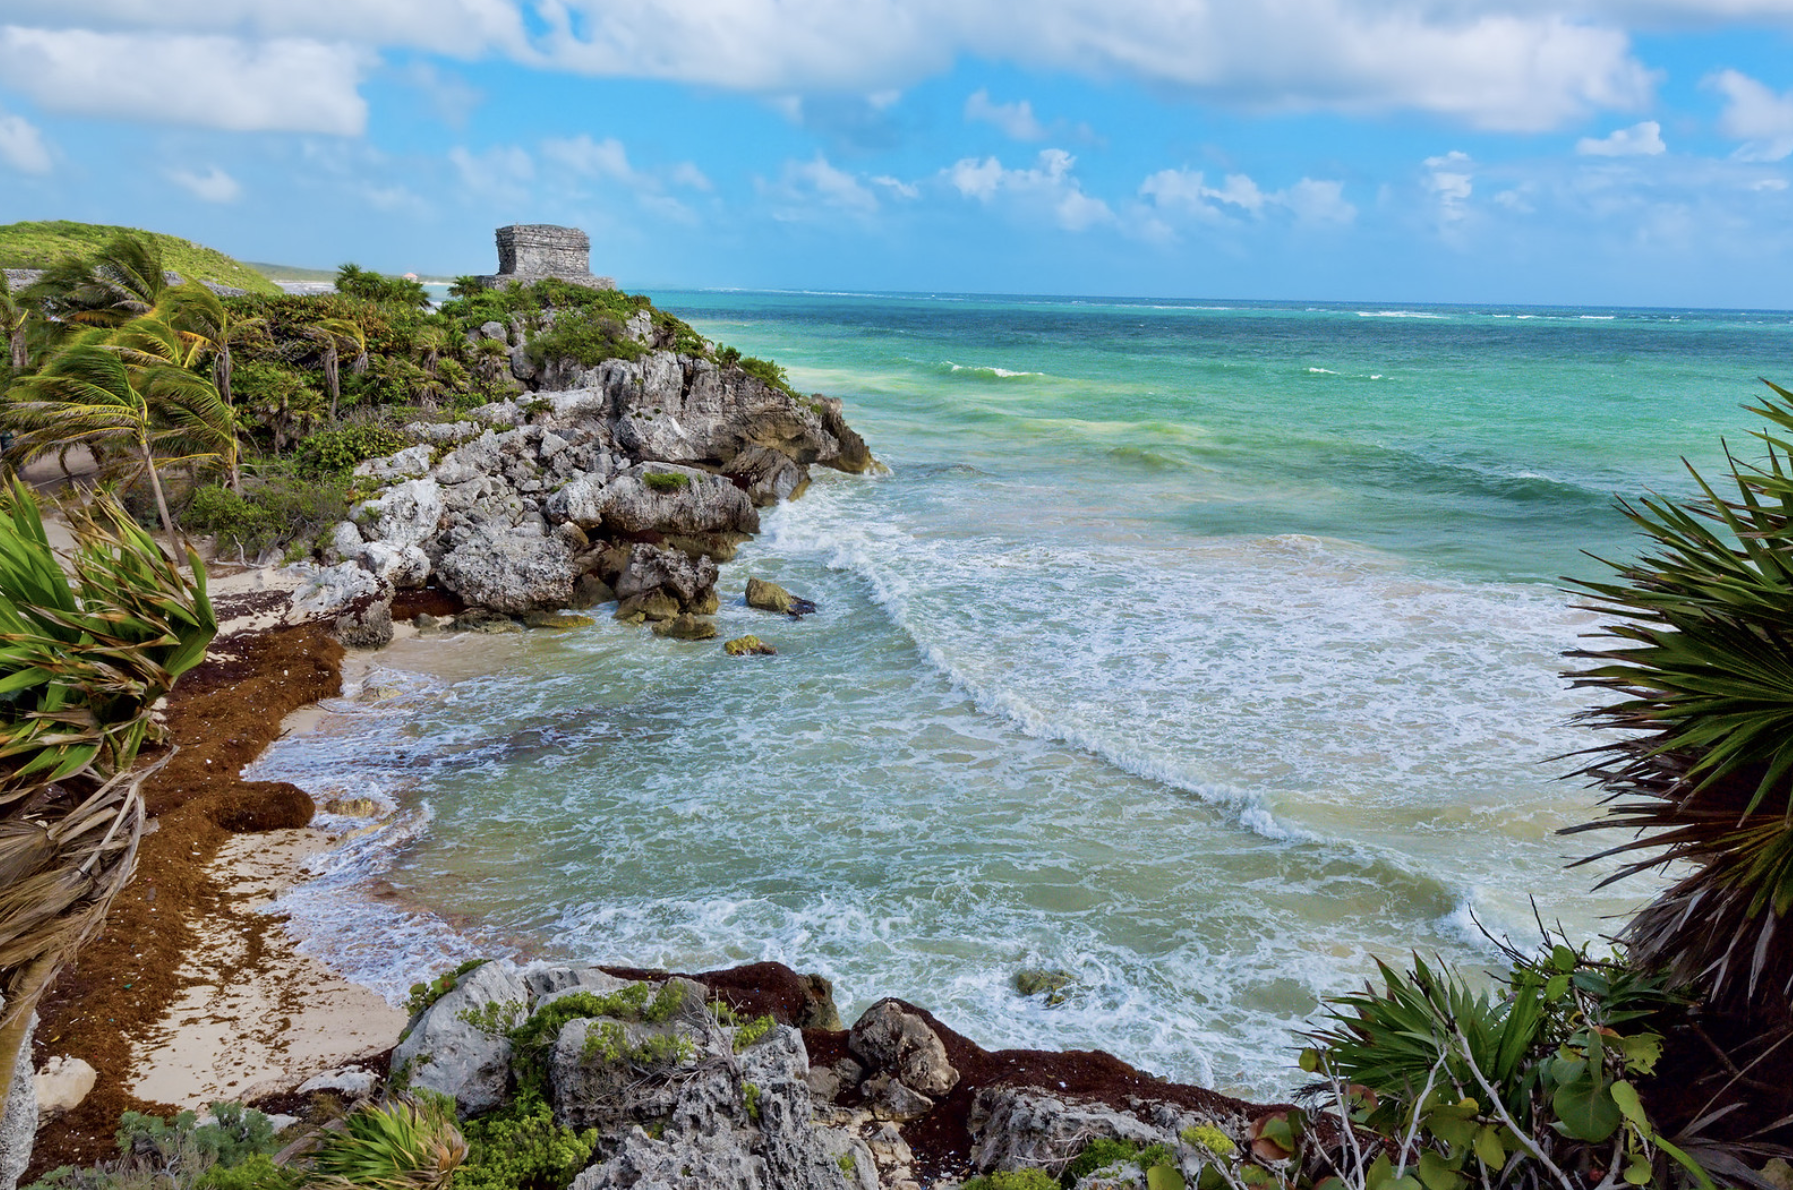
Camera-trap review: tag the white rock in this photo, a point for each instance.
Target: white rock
(61, 1086)
(350, 1080)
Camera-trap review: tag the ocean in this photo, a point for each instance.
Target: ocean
(1207, 651)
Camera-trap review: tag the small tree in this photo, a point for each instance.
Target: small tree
(338, 335)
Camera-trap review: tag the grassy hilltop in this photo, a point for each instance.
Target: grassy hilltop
(42, 243)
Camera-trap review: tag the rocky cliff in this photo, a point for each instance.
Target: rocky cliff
(631, 483)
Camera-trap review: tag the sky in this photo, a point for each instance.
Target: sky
(1571, 152)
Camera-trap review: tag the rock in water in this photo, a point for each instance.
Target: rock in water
(685, 626)
(1039, 981)
(770, 597)
(556, 620)
(746, 646)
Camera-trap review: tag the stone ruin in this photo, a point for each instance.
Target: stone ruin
(536, 251)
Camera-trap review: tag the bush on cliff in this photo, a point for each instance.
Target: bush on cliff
(274, 512)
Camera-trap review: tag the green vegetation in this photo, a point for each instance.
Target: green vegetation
(520, 1147)
(43, 244)
(230, 1153)
(608, 1041)
(1701, 776)
(750, 1099)
(83, 661)
(1014, 1179)
(275, 513)
(751, 1031)
(425, 994)
(396, 1145)
(666, 481)
(335, 452)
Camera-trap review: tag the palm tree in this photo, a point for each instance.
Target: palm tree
(206, 324)
(84, 656)
(89, 395)
(125, 279)
(167, 352)
(337, 335)
(15, 313)
(1701, 667)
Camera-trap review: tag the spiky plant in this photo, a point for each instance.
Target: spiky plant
(1700, 667)
(85, 652)
(398, 1145)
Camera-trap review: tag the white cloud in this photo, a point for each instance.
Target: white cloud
(1015, 120)
(1499, 64)
(607, 159)
(212, 186)
(806, 186)
(498, 174)
(22, 145)
(1452, 180)
(1186, 192)
(282, 85)
(1639, 140)
(1049, 186)
(1756, 115)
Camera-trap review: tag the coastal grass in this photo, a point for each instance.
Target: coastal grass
(43, 243)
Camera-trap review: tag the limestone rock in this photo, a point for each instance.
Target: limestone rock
(770, 597)
(406, 567)
(652, 567)
(590, 591)
(891, 1099)
(664, 498)
(358, 604)
(352, 1081)
(608, 1073)
(556, 620)
(61, 1086)
(1041, 981)
(404, 514)
(746, 646)
(447, 1054)
(508, 572)
(819, 1011)
(652, 605)
(547, 980)
(18, 1119)
(345, 543)
(889, 1039)
(768, 475)
(413, 463)
(1021, 1127)
(685, 626)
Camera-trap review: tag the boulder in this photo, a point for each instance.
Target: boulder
(507, 572)
(737, 1123)
(352, 1081)
(579, 503)
(1041, 981)
(685, 626)
(405, 567)
(589, 591)
(556, 620)
(770, 597)
(1023, 1127)
(890, 1039)
(748, 646)
(609, 1072)
(767, 475)
(408, 513)
(653, 567)
(446, 1053)
(356, 603)
(664, 498)
(891, 1099)
(345, 543)
(545, 979)
(413, 463)
(61, 1086)
(652, 605)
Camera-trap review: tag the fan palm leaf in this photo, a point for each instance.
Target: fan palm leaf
(1700, 664)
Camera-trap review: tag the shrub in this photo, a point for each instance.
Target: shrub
(588, 336)
(1542, 1074)
(1014, 1179)
(180, 1154)
(271, 513)
(520, 1147)
(666, 481)
(332, 452)
(355, 281)
(425, 994)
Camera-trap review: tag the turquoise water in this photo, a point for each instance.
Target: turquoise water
(1205, 650)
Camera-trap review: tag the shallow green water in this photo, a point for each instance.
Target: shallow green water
(1203, 652)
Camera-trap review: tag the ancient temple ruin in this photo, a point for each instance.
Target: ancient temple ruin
(535, 251)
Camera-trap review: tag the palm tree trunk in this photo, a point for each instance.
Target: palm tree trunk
(20, 356)
(331, 379)
(155, 485)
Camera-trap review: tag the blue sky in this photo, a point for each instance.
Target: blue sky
(1593, 152)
